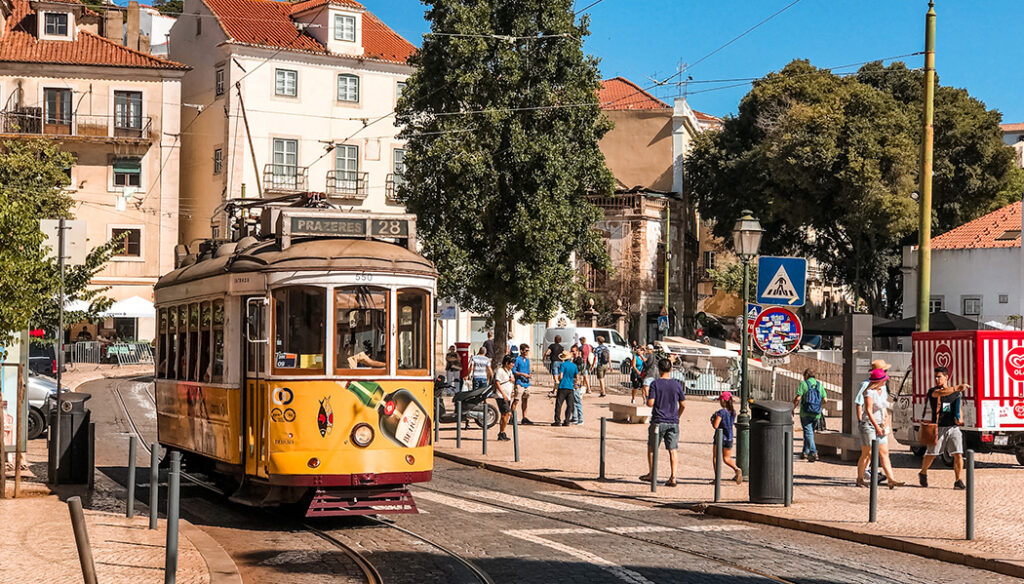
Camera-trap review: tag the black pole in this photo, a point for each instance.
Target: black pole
(515, 434)
(873, 501)
(788, 496)
(82, 540)
(130, 505)
(437, 418)
(718, 464)
(173, 484)
(154, 485)
(970, 494)
(654, 461)
(484, 413)
(601, 468)
(458, 424)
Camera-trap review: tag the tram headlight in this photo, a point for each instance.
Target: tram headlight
(362, 435)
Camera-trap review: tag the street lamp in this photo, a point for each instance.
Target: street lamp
(746, 239)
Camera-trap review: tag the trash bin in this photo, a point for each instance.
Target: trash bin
(76, 441)
(769, 421)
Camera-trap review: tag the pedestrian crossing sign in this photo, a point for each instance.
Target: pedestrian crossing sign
(781, 281)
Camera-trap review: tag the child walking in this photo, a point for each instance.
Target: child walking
(725, 418)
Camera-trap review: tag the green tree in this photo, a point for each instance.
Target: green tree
(503, 128)
(76, 287)
(828, 164)
(171, 7)
(729, 277)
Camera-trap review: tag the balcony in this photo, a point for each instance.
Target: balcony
(346, 184)
(391, 185)
(32, 122)
(285, 178)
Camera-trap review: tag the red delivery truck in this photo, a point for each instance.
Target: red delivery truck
(992, 362)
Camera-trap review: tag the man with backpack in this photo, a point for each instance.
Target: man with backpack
(810, 396)
(603, 359)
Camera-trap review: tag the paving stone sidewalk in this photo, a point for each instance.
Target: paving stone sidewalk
(826, 498)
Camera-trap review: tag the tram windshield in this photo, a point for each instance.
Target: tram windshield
(412, 331)
(361, 320)
(299, 336)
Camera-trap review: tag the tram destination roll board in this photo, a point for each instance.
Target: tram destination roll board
(320, 223)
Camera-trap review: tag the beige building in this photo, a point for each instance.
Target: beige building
(117, 111)
(284, 99)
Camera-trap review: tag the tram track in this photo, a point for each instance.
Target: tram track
(363, 563)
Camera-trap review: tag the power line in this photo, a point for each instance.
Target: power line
(588, 7)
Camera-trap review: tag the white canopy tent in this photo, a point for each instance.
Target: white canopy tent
(134, 307)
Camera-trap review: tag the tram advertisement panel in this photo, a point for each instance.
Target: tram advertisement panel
(356, 426)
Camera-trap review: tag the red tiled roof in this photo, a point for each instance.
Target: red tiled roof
(706, 117)
(1012, 127)
(620, 93)
(20, 44)
(307, 4)
(984, 232)
(269, 23)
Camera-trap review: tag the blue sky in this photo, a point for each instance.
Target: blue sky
(978, 42)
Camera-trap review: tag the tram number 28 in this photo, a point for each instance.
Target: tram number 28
(388, 227)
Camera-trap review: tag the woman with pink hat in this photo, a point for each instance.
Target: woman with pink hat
(874, 425)
(725, 418)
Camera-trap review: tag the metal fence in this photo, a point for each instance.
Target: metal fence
(84, 352)
(130, 353)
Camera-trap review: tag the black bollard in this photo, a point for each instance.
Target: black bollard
(515, 434)
(601, 468)
(873, 500)
(82, 540)
(154, 485)
(130, 505)
(788, 495)
(173, 505)
(654, 461)
(437, 418)
(486, 415)
(718, 464)
(458, 424)
(970, 494)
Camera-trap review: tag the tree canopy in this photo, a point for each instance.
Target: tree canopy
(829, 163)
(503, 124)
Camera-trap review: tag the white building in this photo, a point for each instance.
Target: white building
(157, 27)
(1013, 135)
(976, 269)
(286, 98)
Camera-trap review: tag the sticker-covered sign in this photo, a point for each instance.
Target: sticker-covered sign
(777, 332)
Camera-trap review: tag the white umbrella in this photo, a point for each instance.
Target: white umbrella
(76, 306)
(134, 307)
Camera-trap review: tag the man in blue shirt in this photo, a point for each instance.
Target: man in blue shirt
(667, 400)
(566, 387)
(521, 370)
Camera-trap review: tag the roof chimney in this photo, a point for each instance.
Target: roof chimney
(144, 45)
(132, 40)
(113, 27)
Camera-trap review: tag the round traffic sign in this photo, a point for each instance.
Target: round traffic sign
(777, 331)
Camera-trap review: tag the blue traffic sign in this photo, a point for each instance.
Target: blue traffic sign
(781, 281)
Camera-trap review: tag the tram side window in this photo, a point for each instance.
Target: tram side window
(161, 345)
(362, 329)
(412, 330)
(299, 335)
(193, 342)
(206, 342)
(218, 341)
(182, 344)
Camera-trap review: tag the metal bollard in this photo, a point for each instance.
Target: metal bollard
(173, 485)
(873, 501)
(130, 505)
(654, 461)
(437, 418)
(601, 468)
(154, 484)
(486, 414)
(82, 540)
(970, 495)
(718, 464)
(458, 424)
(787, 498)
(515, 434)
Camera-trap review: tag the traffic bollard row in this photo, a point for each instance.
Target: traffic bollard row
(718, 464)
(970, 495)
(515, 435)
(486, 415)
(654, 462)
(788, 494)
(437, 418)
(130, 505)
(82, 540)
(601, 468)
(873, 501)
(154, 485)
(458, 424)
(173, 502)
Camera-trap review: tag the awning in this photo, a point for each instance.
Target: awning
(134, 307)
(937, 321)
(835, 325)
(76, 306)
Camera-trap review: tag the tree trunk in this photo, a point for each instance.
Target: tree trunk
(500, 333)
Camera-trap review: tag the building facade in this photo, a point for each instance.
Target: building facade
(286, 98)
(116, 110)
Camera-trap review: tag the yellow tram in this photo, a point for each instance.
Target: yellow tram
(297, 364)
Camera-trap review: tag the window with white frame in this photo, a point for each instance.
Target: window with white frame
(709, 260)
(55, 23)
(128, 110)
(127, 172)
(286, 163)
(348, 87)
(218, 161)
(398, 166)
(936, 304)
(344, 28)
(286, 83)
(971, 305)
(400, 88)
(129, 241)
(219, 82)
(346, 168)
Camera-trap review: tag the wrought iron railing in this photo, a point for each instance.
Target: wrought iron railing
(347, 184)
(285, 178)
(33, 121)
(391, 185)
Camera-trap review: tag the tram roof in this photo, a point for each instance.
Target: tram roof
(314, 254)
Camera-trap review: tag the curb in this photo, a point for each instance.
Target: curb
(991, 564)
(81, 382)
(219, 565)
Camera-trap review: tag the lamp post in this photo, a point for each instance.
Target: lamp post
(746, 239)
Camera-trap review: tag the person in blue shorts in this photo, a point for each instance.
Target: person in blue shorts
(725, 418)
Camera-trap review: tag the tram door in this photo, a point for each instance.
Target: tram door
(256, 420)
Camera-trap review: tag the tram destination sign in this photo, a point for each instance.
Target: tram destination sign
(348, 227)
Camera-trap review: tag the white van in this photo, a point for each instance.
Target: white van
(618, 348)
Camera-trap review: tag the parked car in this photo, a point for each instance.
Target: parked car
(42, 359)
(618, 348)
(41, 394)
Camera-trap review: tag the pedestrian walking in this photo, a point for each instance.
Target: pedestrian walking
(651, 361)
(858, 401)
(602, 361)
(503, 381)
(453, 368)
(874, 424)
(480, 370)
(725, 418)
(636, 376)
(667, 400)
(551, 355)
(566, 384)
(489, 345)
(521, 370)
(587, 352)
(944, 401)
(810, 396)
(581, 383)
